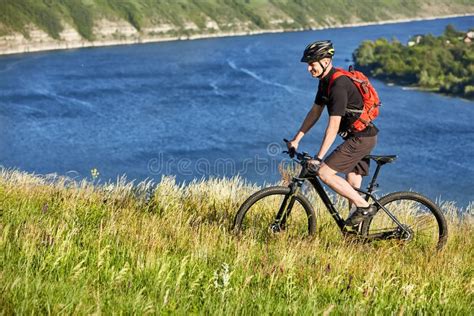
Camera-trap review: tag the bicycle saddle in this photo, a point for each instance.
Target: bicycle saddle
(381, 160)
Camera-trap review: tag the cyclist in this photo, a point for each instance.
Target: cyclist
(347, 158)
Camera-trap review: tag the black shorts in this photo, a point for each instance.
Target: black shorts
(349, 156)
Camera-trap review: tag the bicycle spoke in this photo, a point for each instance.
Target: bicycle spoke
(420, 226)
(261, 215)
(423, 220)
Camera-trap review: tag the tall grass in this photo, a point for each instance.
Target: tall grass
(75, 247)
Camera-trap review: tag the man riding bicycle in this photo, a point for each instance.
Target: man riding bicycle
(343, 101)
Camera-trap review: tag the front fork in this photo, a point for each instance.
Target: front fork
(286, 206)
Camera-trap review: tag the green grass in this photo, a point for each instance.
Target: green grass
(50, 15)
(82, 17)
(68, 247)
(16, 15)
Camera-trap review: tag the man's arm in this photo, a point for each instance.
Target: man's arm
(330, 135)
(311, 118)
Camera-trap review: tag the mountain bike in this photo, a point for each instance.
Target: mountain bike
(403, 216)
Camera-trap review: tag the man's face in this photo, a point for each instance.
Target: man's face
(315, 68)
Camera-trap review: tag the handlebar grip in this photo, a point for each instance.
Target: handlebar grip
(291, 151)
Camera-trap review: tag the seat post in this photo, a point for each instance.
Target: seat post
(374, 178)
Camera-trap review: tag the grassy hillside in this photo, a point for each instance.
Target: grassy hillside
(230, 15)
(76, 248)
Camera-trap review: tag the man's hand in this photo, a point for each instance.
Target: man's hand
(292, 144)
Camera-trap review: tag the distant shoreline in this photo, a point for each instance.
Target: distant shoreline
(64, 45)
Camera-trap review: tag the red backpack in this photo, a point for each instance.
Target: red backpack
(369, 96)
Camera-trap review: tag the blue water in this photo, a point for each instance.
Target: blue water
(218, 107)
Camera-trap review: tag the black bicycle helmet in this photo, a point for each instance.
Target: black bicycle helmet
(317, 51)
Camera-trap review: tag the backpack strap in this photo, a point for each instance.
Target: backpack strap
(360, 84)
(339, 72)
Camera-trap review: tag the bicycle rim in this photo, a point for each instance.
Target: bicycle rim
(257, 216)
(419, 216)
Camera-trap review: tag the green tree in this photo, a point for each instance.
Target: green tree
(441, 63)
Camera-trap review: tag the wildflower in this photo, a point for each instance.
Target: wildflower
(95, 173)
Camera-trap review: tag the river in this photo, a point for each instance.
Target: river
(218, 107)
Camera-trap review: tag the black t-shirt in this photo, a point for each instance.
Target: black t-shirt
(343, 95)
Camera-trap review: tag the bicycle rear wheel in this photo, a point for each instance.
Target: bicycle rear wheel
(259, 212)
(421, 217)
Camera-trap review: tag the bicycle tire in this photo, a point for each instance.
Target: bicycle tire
(279, 192)
(411, 209)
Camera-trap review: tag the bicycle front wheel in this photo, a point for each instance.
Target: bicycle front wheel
(423, 222)
(258, 214)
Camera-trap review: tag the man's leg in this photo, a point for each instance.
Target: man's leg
(355, 180)
(341, 186)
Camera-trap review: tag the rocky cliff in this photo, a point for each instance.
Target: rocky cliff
(34, 25)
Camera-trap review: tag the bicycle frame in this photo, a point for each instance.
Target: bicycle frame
(315, 182)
